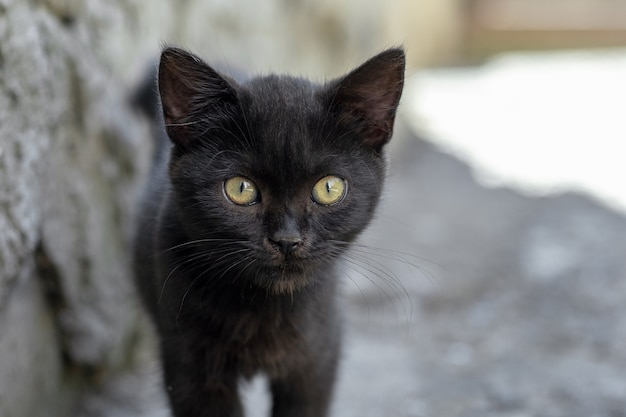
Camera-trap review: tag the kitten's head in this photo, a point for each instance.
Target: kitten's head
(276, 176)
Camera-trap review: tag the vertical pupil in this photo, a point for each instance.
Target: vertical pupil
(241, 187)
(328, 185)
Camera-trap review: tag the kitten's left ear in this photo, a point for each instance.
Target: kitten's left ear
(368, 97)
(193, 95)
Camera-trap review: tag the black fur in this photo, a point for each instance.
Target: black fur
(226, 300)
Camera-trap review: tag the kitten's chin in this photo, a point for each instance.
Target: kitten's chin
(283, 281)
(286, 286)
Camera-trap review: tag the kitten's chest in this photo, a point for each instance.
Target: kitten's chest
(271, 341)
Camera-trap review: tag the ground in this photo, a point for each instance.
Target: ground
(470, 302)
(512, 305)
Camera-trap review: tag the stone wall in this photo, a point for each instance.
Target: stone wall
(73, 156)
(69, 163)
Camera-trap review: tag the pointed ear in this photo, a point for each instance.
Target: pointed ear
(368, 97)
(193, 95)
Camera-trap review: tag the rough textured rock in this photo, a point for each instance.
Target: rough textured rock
(68, 170)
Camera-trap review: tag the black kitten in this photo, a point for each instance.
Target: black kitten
(268, 183)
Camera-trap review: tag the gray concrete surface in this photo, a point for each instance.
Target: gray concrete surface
(483, 302)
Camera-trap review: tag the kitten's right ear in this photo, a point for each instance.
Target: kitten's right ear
(193, 95)
(368, 97)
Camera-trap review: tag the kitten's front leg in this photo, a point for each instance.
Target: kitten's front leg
(192, 391)
(306, 392)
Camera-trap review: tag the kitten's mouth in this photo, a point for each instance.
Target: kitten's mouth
(285, 277)
(287, 262)
(287, 269)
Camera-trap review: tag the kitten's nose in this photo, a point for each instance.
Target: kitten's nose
(286, 244)
(287, 236)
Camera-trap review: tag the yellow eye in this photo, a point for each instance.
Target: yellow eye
(329, 190)
(241, 191)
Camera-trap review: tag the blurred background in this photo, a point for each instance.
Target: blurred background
(493, 281)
